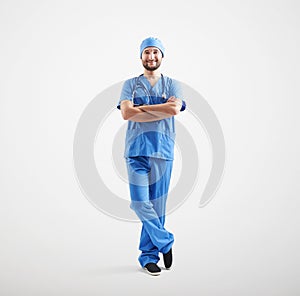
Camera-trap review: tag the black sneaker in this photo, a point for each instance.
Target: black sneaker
(168, 258)
(152, 269)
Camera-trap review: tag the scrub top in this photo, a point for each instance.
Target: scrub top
(155, 138)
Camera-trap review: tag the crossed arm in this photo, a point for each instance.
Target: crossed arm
(147, 113)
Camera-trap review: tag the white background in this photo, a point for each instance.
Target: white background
(242, 56)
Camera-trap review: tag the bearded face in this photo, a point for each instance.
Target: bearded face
(151, 58)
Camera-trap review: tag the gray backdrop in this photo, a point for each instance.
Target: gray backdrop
(241, 56)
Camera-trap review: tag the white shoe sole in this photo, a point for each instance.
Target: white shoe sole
(152, 273)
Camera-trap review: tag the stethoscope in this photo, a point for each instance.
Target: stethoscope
(140, 84)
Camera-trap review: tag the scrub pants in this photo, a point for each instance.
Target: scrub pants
(149, 180)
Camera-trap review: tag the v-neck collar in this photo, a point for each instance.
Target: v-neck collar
(152, 86)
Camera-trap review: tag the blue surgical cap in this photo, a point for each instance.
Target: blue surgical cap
(151, 41)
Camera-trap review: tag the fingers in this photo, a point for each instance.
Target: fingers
(172, 99)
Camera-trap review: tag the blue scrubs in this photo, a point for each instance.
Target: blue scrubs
(149, 153)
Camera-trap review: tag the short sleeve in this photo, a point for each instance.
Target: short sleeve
(176, 90)
(126, 93)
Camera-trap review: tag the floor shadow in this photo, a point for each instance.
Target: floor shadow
(114, 270)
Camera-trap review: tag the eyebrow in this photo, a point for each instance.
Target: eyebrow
(152, 49)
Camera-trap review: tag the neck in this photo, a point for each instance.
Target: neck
(151, 74)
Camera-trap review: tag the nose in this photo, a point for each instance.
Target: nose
(151, 56)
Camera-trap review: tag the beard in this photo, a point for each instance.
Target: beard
(151, 68)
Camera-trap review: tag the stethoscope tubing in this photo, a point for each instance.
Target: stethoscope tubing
(139, 83)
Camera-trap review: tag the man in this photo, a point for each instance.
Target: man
(149, 103)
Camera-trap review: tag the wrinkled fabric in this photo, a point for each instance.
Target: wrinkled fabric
(156, 138)
(149, 180)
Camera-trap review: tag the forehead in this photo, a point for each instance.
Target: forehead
(150, 49)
